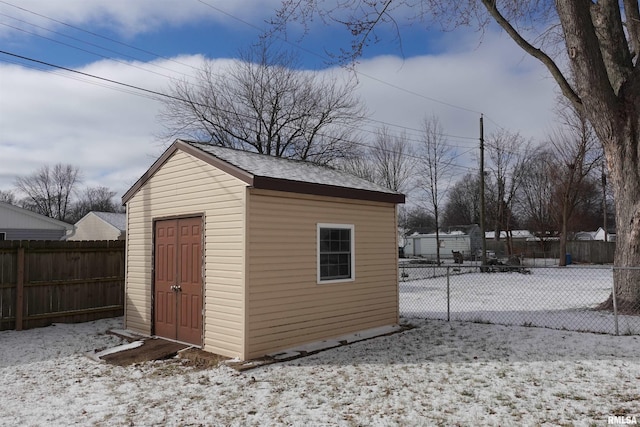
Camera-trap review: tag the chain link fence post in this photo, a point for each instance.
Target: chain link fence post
(615, 304)
(448, 297)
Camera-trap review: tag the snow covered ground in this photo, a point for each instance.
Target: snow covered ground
(439, 373)
(560, 298)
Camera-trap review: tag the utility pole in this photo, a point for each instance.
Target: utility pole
(484, 240)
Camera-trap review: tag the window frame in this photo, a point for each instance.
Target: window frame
(3, 236)
(352, 257)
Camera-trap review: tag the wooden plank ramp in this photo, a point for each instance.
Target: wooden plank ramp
(151, 349)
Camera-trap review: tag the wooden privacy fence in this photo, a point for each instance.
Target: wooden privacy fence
(42, 282)
(582, 251)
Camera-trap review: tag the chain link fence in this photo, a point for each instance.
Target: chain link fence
(576, 298)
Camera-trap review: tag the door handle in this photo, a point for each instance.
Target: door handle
(175, 288)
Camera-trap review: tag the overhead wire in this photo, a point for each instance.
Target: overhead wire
(152, 94)
(160, 56)
(219, 10)
(98, 35)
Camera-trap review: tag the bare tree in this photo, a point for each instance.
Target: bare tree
(361, 166)
(7, 197)
(436, 169)
(577, 155)
(389, 161)
(49, 190)
(600, 42)
(94, 199)
(264, 103)
(535, 195)
(393, 159)
(463, 202)
(508, 153)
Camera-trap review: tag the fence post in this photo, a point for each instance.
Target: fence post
(448, 298)
(20, 288)
(615, 302)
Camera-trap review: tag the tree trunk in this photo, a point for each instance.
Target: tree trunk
(626, 186)
(562, 258)
(608, 88)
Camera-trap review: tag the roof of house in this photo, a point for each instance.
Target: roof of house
(118, 220)
(516, 234)
(35, 218)
(276, 173)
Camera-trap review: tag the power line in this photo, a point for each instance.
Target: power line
(180, 99)
(110, 39)
(230, 15)
(325, 58)
(144, 69)
(156, 94)
(83, 50)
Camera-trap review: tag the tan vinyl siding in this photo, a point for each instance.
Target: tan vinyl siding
(285, 304)
(185, 186)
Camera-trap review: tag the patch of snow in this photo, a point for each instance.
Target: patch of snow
(560, 298)
(125, 334)
(99, 354)
(438, 373)
(335, 342)
(369, 333)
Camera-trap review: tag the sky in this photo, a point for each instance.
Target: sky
(112, 133)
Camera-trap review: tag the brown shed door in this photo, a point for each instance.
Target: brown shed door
(178, 280)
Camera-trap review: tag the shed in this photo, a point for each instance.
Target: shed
(17, 223)
(244, 254)
(465, 239)
(100, 226)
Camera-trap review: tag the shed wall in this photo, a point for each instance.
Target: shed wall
(93, 228)
(184, 186)
(286, 306)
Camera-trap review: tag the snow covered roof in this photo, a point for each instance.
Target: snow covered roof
(516, 234)
(118, 220)
(276, 173)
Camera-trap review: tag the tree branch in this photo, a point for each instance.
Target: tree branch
(632, 13)
(565, 87)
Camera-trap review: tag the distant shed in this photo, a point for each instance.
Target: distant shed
(244, 254)
(100, 226)
(465, 239)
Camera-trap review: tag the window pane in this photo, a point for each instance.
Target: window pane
(335, 253)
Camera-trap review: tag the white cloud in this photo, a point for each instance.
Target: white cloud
(128, 17)
(110, 134)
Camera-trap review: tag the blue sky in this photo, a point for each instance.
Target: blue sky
(112, 135)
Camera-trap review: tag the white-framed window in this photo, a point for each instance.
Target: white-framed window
(3, 235)
(336, 254)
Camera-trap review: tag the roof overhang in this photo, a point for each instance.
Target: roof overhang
(262, 182)
(267, 183)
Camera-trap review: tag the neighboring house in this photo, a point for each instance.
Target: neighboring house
(22, 224)
(516, 235)
(599, 235)
(100, 226)
(464, 239)
(244, 254)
